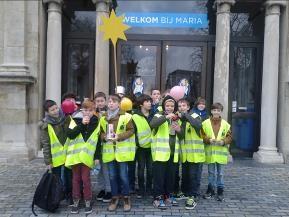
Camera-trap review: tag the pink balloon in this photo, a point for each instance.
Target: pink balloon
(177, 92)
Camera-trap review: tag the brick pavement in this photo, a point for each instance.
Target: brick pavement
(252, 189)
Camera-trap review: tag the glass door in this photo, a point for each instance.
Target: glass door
(245, 95)
(184, 63)
(139, 66)
(78, 67)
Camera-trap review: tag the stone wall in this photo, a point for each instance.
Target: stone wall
(20, 79)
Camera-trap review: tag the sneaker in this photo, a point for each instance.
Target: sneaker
(140, 195)
(210, 193)
(88, 208)
(159, 203)
(190, 204)
(113, 204)
(100, 195)
(107, 197)
(171, 201)
(126, 204)
(74, 208)
(69, 200)
(220, 194)
(181, 196)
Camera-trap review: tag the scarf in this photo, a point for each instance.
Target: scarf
(111, 114)
(54, 121)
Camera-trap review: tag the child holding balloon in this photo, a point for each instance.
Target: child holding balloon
(166, 136)
(118, 148)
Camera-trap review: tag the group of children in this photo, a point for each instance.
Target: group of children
(157, 135)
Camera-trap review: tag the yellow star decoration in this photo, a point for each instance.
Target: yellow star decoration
(113, 27)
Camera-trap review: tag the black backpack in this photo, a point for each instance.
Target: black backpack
(49, 192)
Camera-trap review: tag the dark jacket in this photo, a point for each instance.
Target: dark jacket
(85, 130)
(60, 128)
(196, 123)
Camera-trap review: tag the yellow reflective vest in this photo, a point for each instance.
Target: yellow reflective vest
(143, 131)
(58, 151)
(121, 151)
(192, 149)
(215, 153)
(160, 146)
(80, 151)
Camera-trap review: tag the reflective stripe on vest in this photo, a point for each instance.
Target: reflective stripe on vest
(143, 131)
(192, 150)
(80, 151)
(160, 146)
(58, 151)
(214, 153)
(122, 151)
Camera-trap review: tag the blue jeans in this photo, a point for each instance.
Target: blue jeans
(118, 176)
(212, 175)
(191, 180)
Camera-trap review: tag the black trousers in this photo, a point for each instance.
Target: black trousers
(191, 178)
(144, 161)
(164, 174)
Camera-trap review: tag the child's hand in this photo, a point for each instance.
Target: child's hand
(85, 120)
(212, 141)
(176, 127)
(170, 116)
(114, 139)
(49, 167)
(96, 162)
(220, 143)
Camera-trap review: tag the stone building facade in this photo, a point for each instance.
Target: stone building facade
(36, 63)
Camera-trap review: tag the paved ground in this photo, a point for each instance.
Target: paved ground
(252, 189)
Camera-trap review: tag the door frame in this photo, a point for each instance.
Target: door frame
(258, 83)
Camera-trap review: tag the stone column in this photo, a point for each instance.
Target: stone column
(221, 72)
(268, 152)
(54, 48)
(101, 77)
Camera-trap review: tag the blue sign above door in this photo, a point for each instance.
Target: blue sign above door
(167, 20)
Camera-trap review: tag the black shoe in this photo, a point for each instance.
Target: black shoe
(100, 195)
(107, 197)
(210, 193)
(220, 194)
(74, 208)
(88, 208)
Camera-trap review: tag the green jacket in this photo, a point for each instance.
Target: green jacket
(61, 133)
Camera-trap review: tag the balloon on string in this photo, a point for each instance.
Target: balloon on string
(125, 104)
(177, 92)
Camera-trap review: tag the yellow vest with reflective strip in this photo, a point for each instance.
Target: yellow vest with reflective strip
(121, 151)
(58, 151)
(143, 131)
(215, 153)
(192, 150)
(160, 146)
(79, 151)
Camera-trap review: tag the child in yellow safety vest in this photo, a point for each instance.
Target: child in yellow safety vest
(165, 147)
(118, 148)
(217, 136)
(82, 154)
(54, 141)
(141, 118)
(192, 154)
